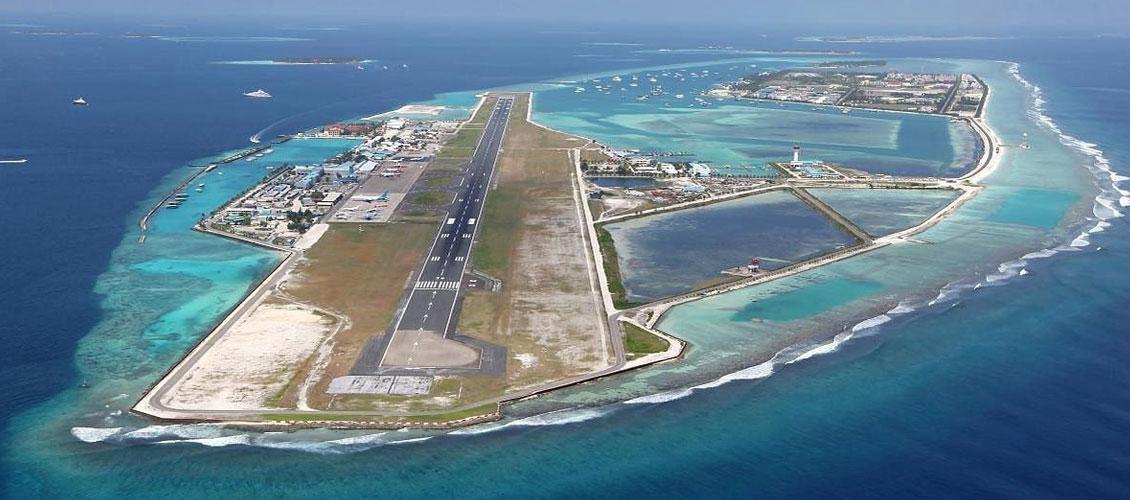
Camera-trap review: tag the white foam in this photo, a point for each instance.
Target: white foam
(825, 348)
(754, 372)
(182, 431)
(902, 308)
(556, 417)
(662, 397)
(94, 434)
(214, 442)
(1042, 254)
(870, 323)
(1105, 206)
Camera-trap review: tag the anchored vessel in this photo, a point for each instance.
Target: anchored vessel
(260, 93)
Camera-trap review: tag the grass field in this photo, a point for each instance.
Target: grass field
(438, 182)
(460, 147)
(639, 342)
(432, 198)
(611, 263)
(531, 238)
(362, 276)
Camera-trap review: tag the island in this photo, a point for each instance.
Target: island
(437, 271)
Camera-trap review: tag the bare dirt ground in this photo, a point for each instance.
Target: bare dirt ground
(546, 314)
(253, 361)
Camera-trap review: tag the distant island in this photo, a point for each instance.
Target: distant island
(873, 63)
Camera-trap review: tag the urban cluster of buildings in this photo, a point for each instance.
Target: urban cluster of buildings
(969, 97)
(294, 197)
(635, 163)
(895, 91)
(920, 92)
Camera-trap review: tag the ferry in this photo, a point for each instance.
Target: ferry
(259, 93)
(79, 102)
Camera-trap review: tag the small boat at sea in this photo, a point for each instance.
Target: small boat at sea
(578, 90)
(259, 93)
(79, 102)
(210, 167)
(15, 161)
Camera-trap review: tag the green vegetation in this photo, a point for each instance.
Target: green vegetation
(462, 146)
(612, 269)
(491, 253)
(360, 274)
(437, 182)
(639, 342)
(432, 198)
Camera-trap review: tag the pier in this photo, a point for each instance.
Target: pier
(832, 215)
(143, 223)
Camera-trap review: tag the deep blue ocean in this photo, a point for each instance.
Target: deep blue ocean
(1018, 391)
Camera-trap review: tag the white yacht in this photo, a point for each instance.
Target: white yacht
(260, 93)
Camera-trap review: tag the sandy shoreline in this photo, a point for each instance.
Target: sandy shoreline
(967, 183)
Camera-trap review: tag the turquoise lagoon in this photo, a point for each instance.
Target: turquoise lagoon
(180, 282)
(987, 241)
(673, 252)
(739, 137)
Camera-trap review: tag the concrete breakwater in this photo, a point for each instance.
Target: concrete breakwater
(143, 223)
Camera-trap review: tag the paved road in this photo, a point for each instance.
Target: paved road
(432, 302)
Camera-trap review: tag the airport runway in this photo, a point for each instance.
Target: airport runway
(433, 301)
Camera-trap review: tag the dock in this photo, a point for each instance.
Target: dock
(143, 223)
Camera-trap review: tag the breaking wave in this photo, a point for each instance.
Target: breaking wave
(1106, 206)
(217, 436)
(556, 417)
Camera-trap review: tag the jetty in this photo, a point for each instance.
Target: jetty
(143, 223)
(832, 215)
